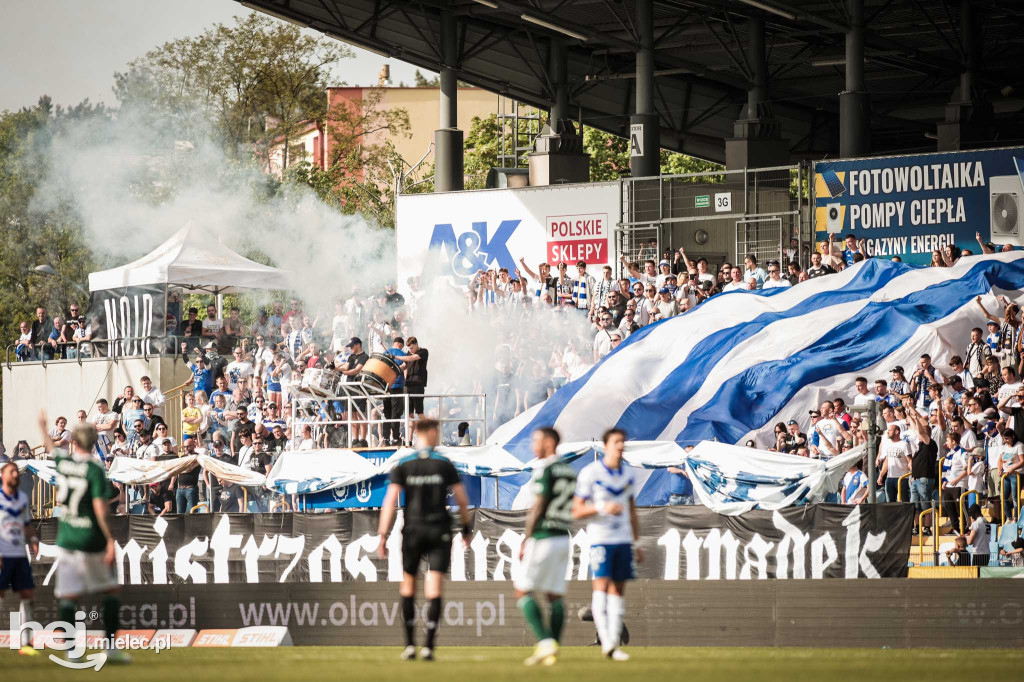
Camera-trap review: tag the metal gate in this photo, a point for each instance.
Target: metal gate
(762, 237)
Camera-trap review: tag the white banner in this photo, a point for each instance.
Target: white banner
(131, 471)
(491, 229)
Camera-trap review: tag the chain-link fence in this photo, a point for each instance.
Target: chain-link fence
(720, 215)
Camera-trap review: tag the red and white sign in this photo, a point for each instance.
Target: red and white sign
(580, 237)
(488, 229)
(214, 638)
(136, 639)
(176, 638)
(257, 636)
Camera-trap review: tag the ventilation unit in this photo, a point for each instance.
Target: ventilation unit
(1005, 203)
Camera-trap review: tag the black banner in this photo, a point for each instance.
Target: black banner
(132, 314)
(680, 543)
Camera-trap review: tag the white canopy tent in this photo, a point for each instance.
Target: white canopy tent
(192, 259)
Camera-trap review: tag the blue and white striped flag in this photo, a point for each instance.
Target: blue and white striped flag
(742, 360)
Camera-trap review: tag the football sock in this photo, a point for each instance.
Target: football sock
(433, 620)
(66, 608)
(25, 609)
(557, 618)
(533, 615)
(599, 607)
(616, 605)
(111, 618)
(408, 619)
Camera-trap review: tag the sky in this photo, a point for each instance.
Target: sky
(70, 49)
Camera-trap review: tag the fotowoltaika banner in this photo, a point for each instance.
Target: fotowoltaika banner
(908, 206)
(453, 235)
(680, 543)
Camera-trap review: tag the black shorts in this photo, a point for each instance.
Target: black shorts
(415, 392)
(16, 574)
(432, 544)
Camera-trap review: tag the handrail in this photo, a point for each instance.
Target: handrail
(204, 505)
(920, 534)
(899, 487)
(963, 507)
(1002, 497)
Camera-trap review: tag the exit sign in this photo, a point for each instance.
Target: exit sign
(703, 201)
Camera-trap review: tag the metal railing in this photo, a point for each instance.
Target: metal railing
(899, 487)
(754, 211)
(374, 405)
(1002, 497)
(107, 349)
(173, 406)
(935, 534)
(964, 507)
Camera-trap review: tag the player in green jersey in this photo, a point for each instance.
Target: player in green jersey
(85, 547)
(545, 553)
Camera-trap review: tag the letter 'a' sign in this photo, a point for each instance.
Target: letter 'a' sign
(636, 139)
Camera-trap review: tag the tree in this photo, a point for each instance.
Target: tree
(253, 81)
(363, 166)
(36, 232)
(422, 81)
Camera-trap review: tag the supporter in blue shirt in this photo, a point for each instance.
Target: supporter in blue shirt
(202, 378)
(851, 250)
(681, 492)
(394, 408)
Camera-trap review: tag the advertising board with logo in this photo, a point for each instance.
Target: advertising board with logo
(908, 206)
(454, 236)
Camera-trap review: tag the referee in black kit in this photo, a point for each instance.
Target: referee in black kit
(425, 478)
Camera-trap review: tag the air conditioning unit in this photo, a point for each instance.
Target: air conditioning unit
(1005, 202)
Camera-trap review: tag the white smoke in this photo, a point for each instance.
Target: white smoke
(133, 186)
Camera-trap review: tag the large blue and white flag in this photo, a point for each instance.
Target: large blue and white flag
(742, 360)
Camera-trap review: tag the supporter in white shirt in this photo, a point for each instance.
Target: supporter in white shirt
(665, 269)
(863, 395)
(238, 369)
(957, 369)
(737, 283)
(648, 276)
(152, 395)
(895, 456)
(666, 306)
(603, 338)
(775, 281)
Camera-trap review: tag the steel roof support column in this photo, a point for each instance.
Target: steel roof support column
(558, 70)
(967, 117)
(854, 104)
(448, 151)
(756, 142)
(645, 128)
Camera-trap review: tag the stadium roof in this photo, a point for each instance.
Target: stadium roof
(914, 57)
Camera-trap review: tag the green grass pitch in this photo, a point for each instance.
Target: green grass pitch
(496, 664)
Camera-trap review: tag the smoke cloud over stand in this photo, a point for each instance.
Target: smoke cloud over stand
(134, 184)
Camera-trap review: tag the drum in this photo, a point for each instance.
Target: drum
(310, 380)
(326, 383)
(379, 372)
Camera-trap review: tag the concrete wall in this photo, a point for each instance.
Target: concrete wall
(64, 387)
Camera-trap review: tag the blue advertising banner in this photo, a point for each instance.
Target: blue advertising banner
(908, 206)
(370, 493)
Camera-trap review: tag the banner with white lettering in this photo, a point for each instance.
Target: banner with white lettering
(691, 543)
(440, 236)
(908, 206)
(134, 314)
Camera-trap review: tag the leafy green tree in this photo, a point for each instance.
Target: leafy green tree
(253, 81)
(421, 81)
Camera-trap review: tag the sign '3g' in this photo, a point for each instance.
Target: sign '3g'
(460, 257)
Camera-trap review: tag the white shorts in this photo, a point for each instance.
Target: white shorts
(545, 561)
(80, 573)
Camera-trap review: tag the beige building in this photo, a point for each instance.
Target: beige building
(312, 143)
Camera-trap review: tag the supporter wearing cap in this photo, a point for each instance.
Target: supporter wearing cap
(664, 270)
(666, 306)
(898, 384)
(775, 279)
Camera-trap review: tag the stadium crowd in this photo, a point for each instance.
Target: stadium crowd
(962, 424)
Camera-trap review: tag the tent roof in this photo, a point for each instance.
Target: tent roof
(194, 259)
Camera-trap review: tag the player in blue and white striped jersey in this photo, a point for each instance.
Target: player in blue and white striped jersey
(605, 494)
(16, 531)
